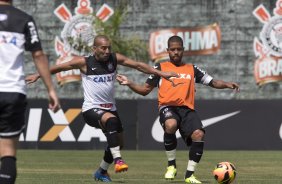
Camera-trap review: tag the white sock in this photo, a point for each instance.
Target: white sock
(104, 165)
(191, 165)
(115, 152)
(171, 155)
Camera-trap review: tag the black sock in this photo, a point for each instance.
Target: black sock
(8, 170)
(112, 125)
(108, 157)
(170, 141)
(195, 154)
(196, 151)
(116, 159)
(188, 173)
(172, 162)
(103, 171)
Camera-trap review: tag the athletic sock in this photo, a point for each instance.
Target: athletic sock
(171, 157)
(111, 133)
(195, 155)
(170, 144)
(172, 163)
(116, 153)
(112, 125)
(108, 157)
(104, 166)
(196, 151)
(8, 170)
(170, 141)
(191, 166)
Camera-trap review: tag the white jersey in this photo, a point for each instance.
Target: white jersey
(98, 84)
(17, 33)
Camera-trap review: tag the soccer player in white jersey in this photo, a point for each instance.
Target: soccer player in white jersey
(17, 33)
(98, 73)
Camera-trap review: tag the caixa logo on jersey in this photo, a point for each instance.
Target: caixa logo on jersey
(78, 34)
(59, 127)
(269, 50)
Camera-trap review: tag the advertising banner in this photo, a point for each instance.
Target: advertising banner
(77, 36)
(268, 49)
(229, 124)
(202, 40)
(66, 129)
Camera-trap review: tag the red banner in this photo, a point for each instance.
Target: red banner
(268, 69)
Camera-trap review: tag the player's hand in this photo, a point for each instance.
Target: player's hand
(54, 103)
(122, 79)
(233, 85)
(32, 78)
(168, 75)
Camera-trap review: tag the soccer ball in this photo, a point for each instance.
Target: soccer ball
(224, 172)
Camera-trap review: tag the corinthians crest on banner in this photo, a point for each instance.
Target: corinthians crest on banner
(268, 50)
(77, 35)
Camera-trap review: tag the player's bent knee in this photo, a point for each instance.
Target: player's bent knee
(112, 124)
(170, 128)
(198, 135)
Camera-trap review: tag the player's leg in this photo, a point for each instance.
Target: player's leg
(101, 174)
(8, 169)
(113, 132)
(193, 134)
(93, 118)
(168, 120)
(195, 155)
(12, 123)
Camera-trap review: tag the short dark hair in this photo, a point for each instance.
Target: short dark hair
(98, 37)
(175, 39)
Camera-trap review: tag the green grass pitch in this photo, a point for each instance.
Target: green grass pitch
(145, 167)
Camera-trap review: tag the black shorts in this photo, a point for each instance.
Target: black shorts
(187, 120)
(93, 118)
(12, 114)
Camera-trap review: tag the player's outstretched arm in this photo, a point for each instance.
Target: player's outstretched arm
(143, 67)
(72, 62)
(219, 84)
(42, 66)
(144, 89)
